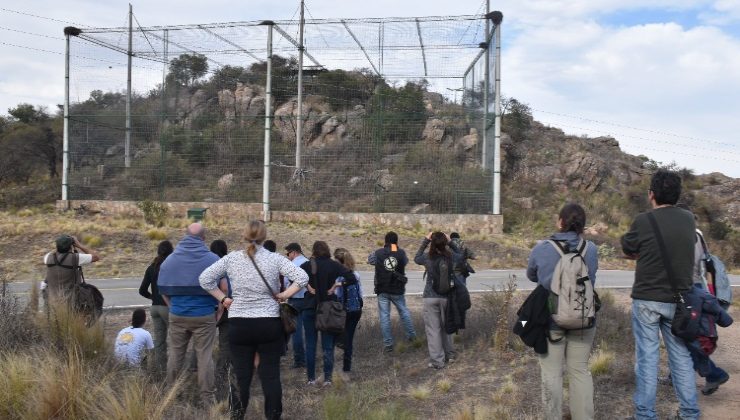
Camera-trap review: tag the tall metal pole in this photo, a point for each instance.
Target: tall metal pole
(486, 88)
(299, 123)
(268, 127)
(163, 117)
(127, 145)
(65, 133)
(498, 17)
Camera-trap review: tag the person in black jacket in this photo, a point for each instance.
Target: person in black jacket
(322, 281)
(159, 311)
(390, 286)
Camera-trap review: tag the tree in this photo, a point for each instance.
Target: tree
(187, 68)
(27, 113)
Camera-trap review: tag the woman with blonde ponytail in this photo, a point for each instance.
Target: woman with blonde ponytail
(254, 314)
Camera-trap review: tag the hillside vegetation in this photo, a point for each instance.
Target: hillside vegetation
(366, 140)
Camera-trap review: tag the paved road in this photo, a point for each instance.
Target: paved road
(123, 292)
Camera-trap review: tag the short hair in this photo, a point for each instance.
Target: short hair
(320, 249)
(666, 187)
(270, 245)
(64, 243)
(391, 238)
(294, 247)
(573, 217)
(138, 318)
(454, 235)
(219, 248)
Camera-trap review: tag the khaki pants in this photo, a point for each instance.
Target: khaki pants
(203, 331)
(574, 349)
(439, 342)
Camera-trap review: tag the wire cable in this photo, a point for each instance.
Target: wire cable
(31, 33)
(39, 16)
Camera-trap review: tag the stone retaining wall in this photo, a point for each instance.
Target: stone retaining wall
(463, 223)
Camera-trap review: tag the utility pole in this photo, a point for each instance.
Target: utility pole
(497, 18)
(68, 31)
(268, 126)
(127, 144)
(486, 88)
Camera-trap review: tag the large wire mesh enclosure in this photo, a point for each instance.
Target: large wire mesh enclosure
(393, 117)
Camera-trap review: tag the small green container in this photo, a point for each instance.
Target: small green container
(197, 214)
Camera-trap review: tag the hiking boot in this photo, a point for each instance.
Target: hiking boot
(388, 349)
(327, 384)
(311, 382)
(711, 387)
(433, 366)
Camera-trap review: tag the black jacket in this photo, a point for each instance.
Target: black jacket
(390, 269)
(327, 272)
(533, 322)
(458, 302)
(150, 279)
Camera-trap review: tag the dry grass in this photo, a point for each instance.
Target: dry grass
(420, 392)
(601, 361)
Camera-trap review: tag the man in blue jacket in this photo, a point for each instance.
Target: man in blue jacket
(192, 309)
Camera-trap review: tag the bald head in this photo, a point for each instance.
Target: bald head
(197, 230)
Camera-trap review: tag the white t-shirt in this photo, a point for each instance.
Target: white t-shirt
(83, 259)
(131, 343)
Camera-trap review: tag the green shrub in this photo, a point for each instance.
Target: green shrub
(155, 213)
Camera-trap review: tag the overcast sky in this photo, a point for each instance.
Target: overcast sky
(661, 76)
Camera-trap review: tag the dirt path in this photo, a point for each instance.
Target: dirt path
(725, 403)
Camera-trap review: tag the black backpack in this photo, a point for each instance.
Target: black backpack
(442, 275)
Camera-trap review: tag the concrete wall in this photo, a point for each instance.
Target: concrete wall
(463, 223)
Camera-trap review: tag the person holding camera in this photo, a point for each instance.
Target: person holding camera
(63, 272)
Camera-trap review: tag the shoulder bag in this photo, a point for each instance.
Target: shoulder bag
(686, 319)
(288, 313)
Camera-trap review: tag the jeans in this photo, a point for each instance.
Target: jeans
(384, 311)
(649, 320)
(299, 352)
(327, 346)
(574, 349)
(353, 318)
(247, 337)
(202, 329)
(704, 365)
(160, 319)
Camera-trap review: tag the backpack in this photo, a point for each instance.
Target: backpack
(716, 276)
(572, 300)
(442, 275)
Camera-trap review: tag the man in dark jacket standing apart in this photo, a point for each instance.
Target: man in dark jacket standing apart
(390, 286)
(653, 303)
(192, 309)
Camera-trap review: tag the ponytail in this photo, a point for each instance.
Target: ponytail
(255, 235)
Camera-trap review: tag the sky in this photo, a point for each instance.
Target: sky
(661, 76)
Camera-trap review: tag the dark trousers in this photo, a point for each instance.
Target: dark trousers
(703, 365)
(299, 351)
(353, 318)
(247, 337)
(327, 346)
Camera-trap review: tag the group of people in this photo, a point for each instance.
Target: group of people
(202, 295)
(671, 266)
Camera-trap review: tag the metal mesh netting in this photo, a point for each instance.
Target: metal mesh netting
(385, 129)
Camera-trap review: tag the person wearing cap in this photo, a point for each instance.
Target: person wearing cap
(295, 254)
(63, 271)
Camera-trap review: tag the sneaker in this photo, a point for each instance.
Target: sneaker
(433, 366)
(311, 382)
(327, 384)
(388, 349)
(711, 387)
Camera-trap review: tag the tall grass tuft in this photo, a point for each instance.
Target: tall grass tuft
(601, 361)
(68, 330)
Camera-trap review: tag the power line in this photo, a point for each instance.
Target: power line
(71, 55)
(664, 133)
(31, 33)
(640, 147)
(39, 16)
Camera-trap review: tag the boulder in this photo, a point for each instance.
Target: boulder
(114, 150)
(466, 143)
(243, 96)
(226, 103)
(583, 172)
(598, 229)
(354, 181)
(225, 182)
(419, 208)
(383, 178)
(434, 131)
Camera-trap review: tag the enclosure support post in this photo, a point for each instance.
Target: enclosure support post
(65, 134)
(268, 128)
(486, 88)
(127, 144)
(163, 116)
(299, 123)
(497, 19)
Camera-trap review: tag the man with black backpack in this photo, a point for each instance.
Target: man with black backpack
(390, 286)
(64, 269)
(662, 241)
